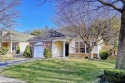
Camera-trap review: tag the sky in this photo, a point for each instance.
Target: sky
(33, 16)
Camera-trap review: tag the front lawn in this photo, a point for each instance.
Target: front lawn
(59, 71)
(4, 58)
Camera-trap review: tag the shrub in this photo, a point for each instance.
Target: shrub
(27, 53)
(47, 53)
(104, 54)
(18, 50)
(4, 51)
(114, 75)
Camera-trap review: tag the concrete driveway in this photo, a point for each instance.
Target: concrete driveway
(15, 62)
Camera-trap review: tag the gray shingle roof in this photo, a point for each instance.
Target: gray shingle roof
(49, 35)
(15, 36)
(67, 33)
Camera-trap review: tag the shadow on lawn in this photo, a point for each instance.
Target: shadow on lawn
(55, 71)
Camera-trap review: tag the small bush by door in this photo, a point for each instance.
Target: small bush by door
(18, 50)
(104, 54)
(27, 53)
(4, 51)
(47, 53)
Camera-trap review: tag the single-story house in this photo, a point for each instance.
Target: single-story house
(12, 39)
(61, 44)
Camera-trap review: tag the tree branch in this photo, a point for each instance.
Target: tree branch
(110, 5)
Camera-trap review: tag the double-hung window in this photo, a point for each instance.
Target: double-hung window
(14, 46)
(81, 48)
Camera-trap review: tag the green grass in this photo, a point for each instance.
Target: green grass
(4, 58)
(59, 71)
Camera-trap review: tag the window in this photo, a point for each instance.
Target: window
(14, 46)
(87, 50)
(80, 47)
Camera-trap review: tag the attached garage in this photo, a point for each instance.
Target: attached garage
(38, 50)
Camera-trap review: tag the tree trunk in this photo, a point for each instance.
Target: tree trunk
(120, 62)
(113, 53)
(90, 53)
(116, 51)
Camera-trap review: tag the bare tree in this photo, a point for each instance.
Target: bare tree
(8, 13)
(89, 27)
(27, 32)
(115, 6)
(113, 40)
(36, 31)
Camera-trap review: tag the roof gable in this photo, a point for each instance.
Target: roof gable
(15, 36)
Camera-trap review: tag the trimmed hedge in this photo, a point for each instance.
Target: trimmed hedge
(47, 53)
(18, 50)
(104, 54)
(114, 75)
(4, 51)
(27, 53)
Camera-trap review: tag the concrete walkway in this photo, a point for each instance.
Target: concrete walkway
(4, 79)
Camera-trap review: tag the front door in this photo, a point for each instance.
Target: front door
(67, 49)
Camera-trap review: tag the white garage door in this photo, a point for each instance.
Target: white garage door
(38, 51)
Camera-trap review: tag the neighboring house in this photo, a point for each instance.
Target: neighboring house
(12, 39)
(61, 44)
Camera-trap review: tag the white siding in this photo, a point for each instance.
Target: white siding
(100, 47)
(23, 46)
(0, 45)
(95, 49)
(72, 46)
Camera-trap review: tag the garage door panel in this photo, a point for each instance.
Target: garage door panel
(38, 51)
